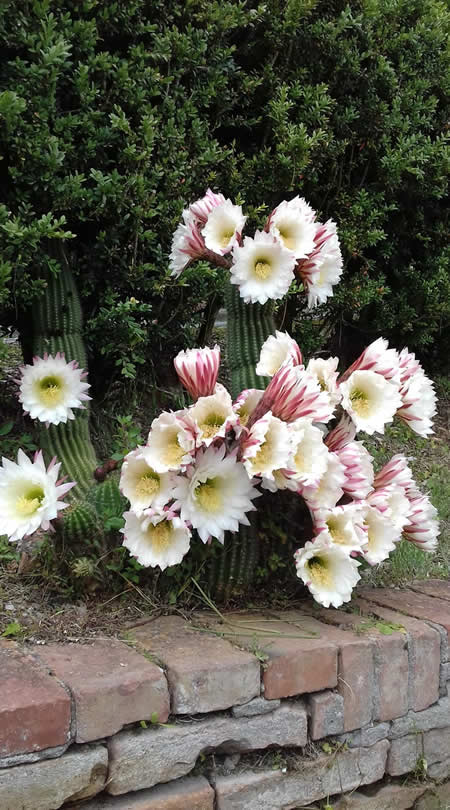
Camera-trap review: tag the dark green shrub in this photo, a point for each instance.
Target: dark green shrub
(114, 115)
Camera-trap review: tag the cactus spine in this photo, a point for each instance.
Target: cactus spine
(248, 326)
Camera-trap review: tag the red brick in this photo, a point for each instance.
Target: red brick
(419, 605)
(295, 664)
(390, 662)
(424, 645)
(205, 672)
(189, 793)
(355, 663)
(35, 710)
(439, 588)
(111, 684)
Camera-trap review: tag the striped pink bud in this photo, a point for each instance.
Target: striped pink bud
(198, 369)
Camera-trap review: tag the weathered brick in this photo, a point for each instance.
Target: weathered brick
(436, 745)
(439, 588)
(437, 797)
(326, 711)
(424, 654)
(35, 711)
(402, 797)
(412, 603)
(313, 779)
(173, 751)
(437, 716)
(295, 664)
(205, 672)
(440, 771)
(189, 793)
(111, 684)
(367, 736)
(78, 774)
(390, 658)
(258, 705)
(355, 663)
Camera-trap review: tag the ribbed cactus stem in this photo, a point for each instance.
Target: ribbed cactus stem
(248, 325)
(57, 327)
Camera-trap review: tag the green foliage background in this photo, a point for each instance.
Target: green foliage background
(113, 116)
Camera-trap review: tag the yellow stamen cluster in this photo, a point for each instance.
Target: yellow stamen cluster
(148, 484)
(287, 238)
(51, 390)
(360, 402)
(264, 456)
(319, 572)
(336, 532)
(160, 536)
(208, 496)
(28, 503)
(173, 452)
(226, 236)
(262, 270)
(211, 425)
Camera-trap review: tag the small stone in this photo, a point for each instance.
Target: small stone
(173, 751)
(326, 711)
(405, 755)
(440, 771)
(258, 705)
(78, 774)
(231, 761)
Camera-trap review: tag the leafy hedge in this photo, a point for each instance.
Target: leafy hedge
(114, 115)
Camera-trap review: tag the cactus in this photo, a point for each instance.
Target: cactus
(248, 326)
(57, 324)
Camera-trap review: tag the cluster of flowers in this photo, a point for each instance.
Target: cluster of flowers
(292, 244)
(203, 467)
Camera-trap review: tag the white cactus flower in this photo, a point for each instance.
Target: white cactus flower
(382, 535)
(29, 495)
(370, 400)
(213, 416)
(51, 387)
(343, 525)
(309, 458)
(277, 350)
(267, 447)
(170, 444)
(328, 571)
(293, 223)
(326, 374)
(156, 539)
(142, 485)
(329, 490)
(262, 268)
(223, 227)
(217, 495)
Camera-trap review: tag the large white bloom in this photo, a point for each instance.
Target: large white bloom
(200, 210)
(267, 447)
(223, 227)
(214, 416)
(396, 472)
(422, 527)
(170, 444)
(343, 525)
(198, 370)
(418, 404)
(326, 375)
(329, 490)
(277, 350)
(156, 539)
(51, 387)
(187, 245)
(293, 223)
(392, 502)
(142, 485)
(217, 495)
(309, 457)
(262, 268)
(382, 535)
(245, 404)
(328, 571)
(292, 393)
(322, 269)
(370, 400)
(29, 495)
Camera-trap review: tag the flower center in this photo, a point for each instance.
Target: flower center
(51, 390)
(208, 495)
(320, 574)
(360, 402)
(211, 425)
(287, 238)
(264, 456)
(336, 532)
(29, 503)
(148, 484)
(160, 536)
(243, 416)
(226, 236)
(174, 453)
(262, 269)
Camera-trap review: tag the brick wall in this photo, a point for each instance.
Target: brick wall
(269, 711)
